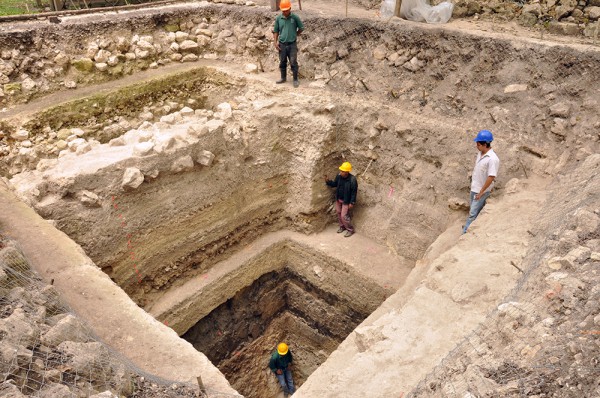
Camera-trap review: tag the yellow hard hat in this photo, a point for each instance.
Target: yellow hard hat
(346, 166)
(282, 349)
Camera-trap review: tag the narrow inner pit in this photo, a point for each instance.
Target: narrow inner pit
(312, 315)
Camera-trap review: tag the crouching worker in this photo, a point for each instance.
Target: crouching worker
(280, 364)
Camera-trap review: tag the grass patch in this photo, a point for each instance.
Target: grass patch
(15, 7)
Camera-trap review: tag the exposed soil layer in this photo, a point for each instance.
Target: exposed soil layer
(400, 101)
(283, 305)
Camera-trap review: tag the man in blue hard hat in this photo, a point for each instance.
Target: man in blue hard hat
(484, 174)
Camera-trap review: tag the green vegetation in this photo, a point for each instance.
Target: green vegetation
(14, 7)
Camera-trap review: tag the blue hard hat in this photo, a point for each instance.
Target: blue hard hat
(484, 135)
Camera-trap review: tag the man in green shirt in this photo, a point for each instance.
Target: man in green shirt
(287, 28)
(280, 364)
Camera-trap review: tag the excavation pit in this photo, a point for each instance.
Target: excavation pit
(307, 299)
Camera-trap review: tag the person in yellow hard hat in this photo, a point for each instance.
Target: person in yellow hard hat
(288, 27)
(345, 197)
(280, 364)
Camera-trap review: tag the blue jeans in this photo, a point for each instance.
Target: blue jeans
(286, 381)
(288, 51)
(476, 206)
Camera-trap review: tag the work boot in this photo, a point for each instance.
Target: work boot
(342, 229)
(296, 83)
(283, 78)
(348, 234)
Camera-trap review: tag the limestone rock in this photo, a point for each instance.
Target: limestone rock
(251, 68)
(515, 88)
(68, 328)
(75, 143)
(225, 33)
(181, 36)
(141, 54)
(132, 178)
(63, 134)
(89, 199)
(83, 148)
(564, 28)
(9, 390)
(188, 46)
(184, 163)
(78, 132)
(557, 263)
(45, 164)
(205, 158)
(17, 329)
(203, 41)
(586, 222)
(561, 110)
(61, 144)
(146, 116)
(593, 12)
(119, 141)
(171, 118)
(113, 60)
(186, 111)
(20, 135)
(223, 111)
(197, 129)
(105, 394)
(163, 143)
(535, 9)
(101, 66)
(414, 64)
(189, 58)
(28, 84)
(142, 148)
(512, 186)
(84, 358)
(205, 32)
(102, 56)
(560, 127)
(578, 255)
(379, 53)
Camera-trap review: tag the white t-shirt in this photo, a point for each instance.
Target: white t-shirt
(485, 166)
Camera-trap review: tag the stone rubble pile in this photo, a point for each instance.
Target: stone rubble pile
(44, 348)
(45, 351)
(28, 72)
(175, 144)
(565, 17)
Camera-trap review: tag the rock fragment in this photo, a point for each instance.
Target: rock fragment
(132, 178)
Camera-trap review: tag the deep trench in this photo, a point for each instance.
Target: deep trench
(239, 335)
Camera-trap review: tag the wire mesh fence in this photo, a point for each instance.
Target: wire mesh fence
(46, 350)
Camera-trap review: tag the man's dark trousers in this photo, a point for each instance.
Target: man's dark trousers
(288, 51)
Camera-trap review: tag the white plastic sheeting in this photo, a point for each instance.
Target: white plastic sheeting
(418, 10)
